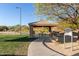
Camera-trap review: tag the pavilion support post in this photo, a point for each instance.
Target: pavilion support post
(31, 31)
(50, 30)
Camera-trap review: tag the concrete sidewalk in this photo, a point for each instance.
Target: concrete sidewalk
(36, 48)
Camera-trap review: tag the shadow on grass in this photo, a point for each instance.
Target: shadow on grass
(7, 55)
(11, 55)
(21, 39)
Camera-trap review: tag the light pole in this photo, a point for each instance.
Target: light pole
(20, 17)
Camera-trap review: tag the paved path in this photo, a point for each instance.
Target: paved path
(36, 48)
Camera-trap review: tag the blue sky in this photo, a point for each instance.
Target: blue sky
(9, 15)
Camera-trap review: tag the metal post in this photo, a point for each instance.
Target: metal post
(20, 21)
(64, 41)
(71, 43)
(20, 18)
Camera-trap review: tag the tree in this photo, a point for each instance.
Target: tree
(63, 12)
(16, 28)
(4, 28)
(25, 29)
(68, 13)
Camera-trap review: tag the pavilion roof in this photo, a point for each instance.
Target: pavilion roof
(42, 23)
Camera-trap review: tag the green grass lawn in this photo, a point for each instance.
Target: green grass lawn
(14, 44)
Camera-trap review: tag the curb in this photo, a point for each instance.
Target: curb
(51, 48)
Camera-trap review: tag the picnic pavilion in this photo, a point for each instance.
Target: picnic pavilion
(41, 23)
